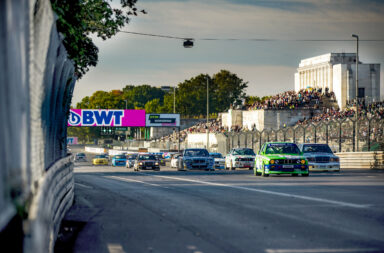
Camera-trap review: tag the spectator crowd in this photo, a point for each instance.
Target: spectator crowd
(306, 98)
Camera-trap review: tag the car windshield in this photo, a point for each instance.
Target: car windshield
(132, 157)
(80, 154)
(120, 157)
(196, 152)
(218, 155)
(147, 157)
(316, 149)
(159, 156)
(282, 148)
(243, 152)
(100, 156)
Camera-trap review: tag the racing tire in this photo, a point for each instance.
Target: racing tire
(294, 175)
(305, 175)
(263, 172)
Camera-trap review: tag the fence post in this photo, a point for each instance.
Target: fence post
(354, 136)
(339, 136)
(260, 134)
(285, 136)
(294, 135)
(246, 140)
(304, 129)
(315, 133)
(238, 140)
(357, 136)
(252, 140)
(326, 133)
(369, 135)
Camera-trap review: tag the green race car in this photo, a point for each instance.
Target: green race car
(280, 158)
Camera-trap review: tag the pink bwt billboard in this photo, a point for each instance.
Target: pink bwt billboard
(106, 117)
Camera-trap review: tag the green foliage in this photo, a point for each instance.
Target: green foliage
(249, 100)
(225, 88)
(78, 19)
(153, 106)
(138, 96)
(228, 89)
(84, 134)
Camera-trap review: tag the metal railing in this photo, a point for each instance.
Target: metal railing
(345, 135)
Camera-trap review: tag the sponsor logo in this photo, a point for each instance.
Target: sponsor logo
(103, 117)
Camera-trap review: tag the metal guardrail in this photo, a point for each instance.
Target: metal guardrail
(345, 135)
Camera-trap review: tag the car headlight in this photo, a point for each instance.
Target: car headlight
(140, 163)
(272, 161)
(156, 163)
(302, 161)
(334, 159)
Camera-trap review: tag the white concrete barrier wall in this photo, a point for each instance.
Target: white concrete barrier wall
(95, 150)
(37, 81)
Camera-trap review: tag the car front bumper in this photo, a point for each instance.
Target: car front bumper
(149, 167)
(286, 169)
(324, 166)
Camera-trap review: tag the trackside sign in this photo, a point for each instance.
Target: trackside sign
(105, 117)
(163, 120)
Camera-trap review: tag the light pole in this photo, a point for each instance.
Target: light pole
(357, 66)
(174, 99)
(357, 92)
(126, 136)
(207, 113)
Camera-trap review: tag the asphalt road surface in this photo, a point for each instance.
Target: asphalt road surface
(227, 211)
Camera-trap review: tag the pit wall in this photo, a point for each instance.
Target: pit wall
(36, 85)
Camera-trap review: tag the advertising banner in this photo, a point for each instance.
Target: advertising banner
(163, 120)
(106, 117)
(72, 140)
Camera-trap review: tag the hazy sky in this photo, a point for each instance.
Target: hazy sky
(269, 67)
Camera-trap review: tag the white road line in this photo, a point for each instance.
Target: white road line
(133, 180)
(328, 201)
(115, 248)
(318, 250)
(83, 185)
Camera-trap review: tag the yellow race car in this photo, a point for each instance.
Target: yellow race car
(100, 160)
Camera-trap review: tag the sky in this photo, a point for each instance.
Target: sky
(267, 66)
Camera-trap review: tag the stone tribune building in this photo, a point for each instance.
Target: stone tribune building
(337, 72)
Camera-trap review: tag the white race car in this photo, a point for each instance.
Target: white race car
(240, 158)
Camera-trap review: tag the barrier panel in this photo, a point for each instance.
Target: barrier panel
(37, 82)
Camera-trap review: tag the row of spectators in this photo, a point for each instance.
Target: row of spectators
(372, 110)
(306, 98)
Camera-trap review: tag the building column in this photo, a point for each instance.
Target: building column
(330, 78)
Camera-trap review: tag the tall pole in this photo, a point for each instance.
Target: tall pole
(207, 113)
(174, 99)
(126, 135)
(357, 89)
(357, 66)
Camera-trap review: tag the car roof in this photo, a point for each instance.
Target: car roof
(314, 144)
(279, 142)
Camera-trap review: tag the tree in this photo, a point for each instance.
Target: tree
(250, 100)
(228, 89)
(138, 96)
(153, 106)
(77, 20)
